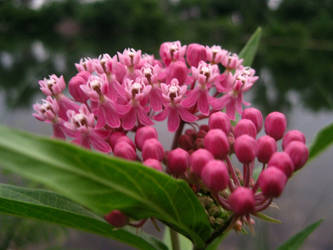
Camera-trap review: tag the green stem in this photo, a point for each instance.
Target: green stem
(174, 239)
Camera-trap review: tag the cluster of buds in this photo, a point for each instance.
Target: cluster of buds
(112, 97)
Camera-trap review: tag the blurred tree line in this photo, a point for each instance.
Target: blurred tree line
(296, 51)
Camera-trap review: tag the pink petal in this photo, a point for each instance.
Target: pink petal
(186, 115)
(57, 132)
(156, 99)
(143, 118)
(99, 144)
(191, 98)
(163, 115)
(111, 117)
(203, 105)
(220, 103)
(231, 109)
(173, 120)
(129, 120)
(100, 118)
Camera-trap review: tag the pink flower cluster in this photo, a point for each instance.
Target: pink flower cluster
(113, 96)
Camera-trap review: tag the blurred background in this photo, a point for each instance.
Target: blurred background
(294, 62)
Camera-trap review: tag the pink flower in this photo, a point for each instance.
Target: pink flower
(231, 61)
(174, 110)
(131, 58)
(52, 86)
(172, 51)
(215, 54)
(48, 112)
(232, 100)
(136, 93)
(107, 110)
(81, 126)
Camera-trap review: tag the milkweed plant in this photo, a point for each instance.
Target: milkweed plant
(219, 175)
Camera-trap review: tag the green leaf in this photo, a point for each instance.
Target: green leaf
(250, 49)
(103, 183)
(298, 239)
(323, 140)
(216, 242)
(51, 207)
(265, 217)
(184, 243)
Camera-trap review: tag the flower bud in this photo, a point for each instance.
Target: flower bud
(204, 127)
(272, 182)
(242, 201)
(245, 127)
(219, 120)
(114, 138)
(217, 143)
(144, 133)
(191, 132)
(126, 139)
(255, 116)
(275, 125)
(117, 218)
(198, 160)
(215, 175)
(195, 53)
(266, 147)
(298, 153)
(245, 148)
(74, 84)
(177, 70)
(152, 148)
(185, 142)
(178, 161)
(292, 135)
(153, 163)
(124, 150)
(282, 161)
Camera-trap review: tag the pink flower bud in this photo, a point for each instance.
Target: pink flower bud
(245, 148)
(292, 135)
(201, 134)
(177, 70)
(144, 133)
(191, 132)
(152, 148)
(219, 120)
(195, 53)
(124, 150)
(127, 140)
(298, 153)
(153, 163)
(255, 116)
(266, 147)
(178, 161)
(242, 201)
(272, 182)
(215, 175)
(117, 218)
(275, 125)
(217, 143)
(74, 84)
(114, 138)
(245, 127)
(198, 160)
(282, 161)
(204, 128)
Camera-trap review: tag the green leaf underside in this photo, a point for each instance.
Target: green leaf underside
(250, 49)
(103, 183)
(51, 207)
(322, 141)
(298, 239)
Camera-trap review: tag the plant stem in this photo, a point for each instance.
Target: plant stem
(177, 134)
(174, 239)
